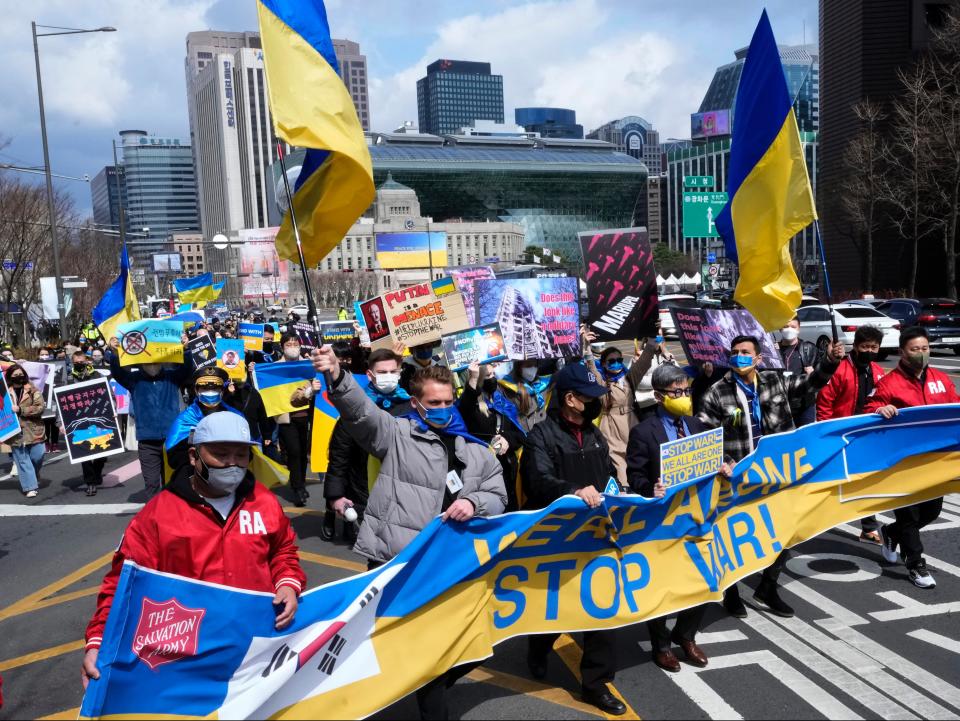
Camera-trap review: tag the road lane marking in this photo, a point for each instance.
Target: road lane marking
(936, 639)
(70, 713)
(55, 601)
(101, 509)
(909, 607)
(571, 654)
(47, 591)
(520, 685)
(333, 561)
(699, 691)
(42, 655)
(122, 474)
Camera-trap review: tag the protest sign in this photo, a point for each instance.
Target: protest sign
(468, 587)
(230, 357)
(414, 315)
(150, 341)
(480, 345)
(337, 330)
(306, 333)
(621, 283)
(691, 459)
(89, 420)
(122, 398)
(705, 335)
(464, 277)
(539, 317)
(9, 422)
(252, 335)
(202, 351)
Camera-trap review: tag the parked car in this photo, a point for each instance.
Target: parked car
(676, 300)
(815, 325)
(809, 300)
(869, 302)
(300, 310)
(939, 316)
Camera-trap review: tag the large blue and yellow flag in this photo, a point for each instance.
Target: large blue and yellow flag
(312, 109)
(770, 195)
(119, 303)
(277, 382)
(197, 289)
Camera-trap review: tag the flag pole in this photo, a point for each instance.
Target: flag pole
(826, 280)
(311, 306)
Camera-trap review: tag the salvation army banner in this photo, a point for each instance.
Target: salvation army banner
(621, 283)
(539, 317)
(150, 341)
(464, 277)
(89, 420)
(705, 335)
(414, 315)
(174, 646)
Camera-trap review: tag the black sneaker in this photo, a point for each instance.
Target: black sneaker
(768, 594)
(888, 548)
(920, 576)
(733, 604)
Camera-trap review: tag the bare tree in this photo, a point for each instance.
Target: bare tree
(864, 161)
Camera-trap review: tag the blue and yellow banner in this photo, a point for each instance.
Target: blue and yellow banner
(312, 109)
(771, 199)
(459, 589)
(119, 303)
(325, 417)
(150, 341)
(277, 382)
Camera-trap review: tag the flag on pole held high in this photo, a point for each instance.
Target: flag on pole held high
(119, 304)
(771, 199)
(198, 289)
(312, 109)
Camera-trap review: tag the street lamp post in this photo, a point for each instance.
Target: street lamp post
(46, 159)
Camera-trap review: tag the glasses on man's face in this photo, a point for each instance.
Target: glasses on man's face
(678, 392)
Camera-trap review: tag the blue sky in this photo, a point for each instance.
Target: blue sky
(604, 58)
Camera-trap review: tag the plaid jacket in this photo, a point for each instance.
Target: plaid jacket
(724, 406)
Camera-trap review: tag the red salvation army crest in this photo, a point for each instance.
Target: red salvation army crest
(166, 632)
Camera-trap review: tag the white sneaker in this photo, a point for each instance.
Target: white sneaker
(13, 470)
(920, 576)
(888, 549)
(31, 494)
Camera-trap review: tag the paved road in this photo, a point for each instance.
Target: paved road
(865, 643)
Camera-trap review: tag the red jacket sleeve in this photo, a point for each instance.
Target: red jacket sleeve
(826, 398)
(285, 569)
(138, 545)
(880, 397)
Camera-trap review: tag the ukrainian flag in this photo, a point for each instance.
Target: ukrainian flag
(312, 109)
(770, 195)
(195, 290)
(277, 382)
(119, 303)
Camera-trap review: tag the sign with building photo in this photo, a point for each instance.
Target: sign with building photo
(474, 345)
(89, 420)
(262, 272)
(700, 211)
(705, 335)
(539, 317)
(167, 263)
(417, 249)
(464, 277)
(418, 314)
(621, 283)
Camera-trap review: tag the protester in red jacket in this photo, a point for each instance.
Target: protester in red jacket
(847, 392)
(912, 383)
(214, 522)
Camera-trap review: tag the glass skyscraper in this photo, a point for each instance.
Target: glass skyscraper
(549, 122)
(106, 189)
(455, 93)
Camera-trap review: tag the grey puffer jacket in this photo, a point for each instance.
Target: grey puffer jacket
(410, 486)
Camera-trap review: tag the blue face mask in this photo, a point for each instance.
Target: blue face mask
(438, 417)
(210, 398)
(741, 361)
(615, 366)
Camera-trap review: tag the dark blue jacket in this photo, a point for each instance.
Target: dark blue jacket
(155, 399)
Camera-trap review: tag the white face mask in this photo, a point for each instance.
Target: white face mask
(529, 373)
(386, 383)
(291, 354)
(789, 333)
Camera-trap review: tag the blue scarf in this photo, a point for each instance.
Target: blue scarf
(184, 423)
(456, 428)
(536, 389)
(753, 398)
(387, 401)
(616, 376)
(501, 405)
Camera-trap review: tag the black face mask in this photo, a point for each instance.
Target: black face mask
(863, 359)
(489, 386)
(591, 409)
(268, 347)
(18, 381)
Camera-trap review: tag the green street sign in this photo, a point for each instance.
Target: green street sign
(700, 211)
(698, 181)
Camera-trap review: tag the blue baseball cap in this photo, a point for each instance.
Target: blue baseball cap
(223, 427)
(578, 378)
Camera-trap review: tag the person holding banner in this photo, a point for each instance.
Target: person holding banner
(672, 420)
(214, 522)
(83, 370)
(749, 403)
(525, 388)
(27, 446)
(567, 454)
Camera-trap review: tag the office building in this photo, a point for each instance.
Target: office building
(517, 321)
(549, 122)
(161, 191)
(107, 194)
(863, 44)
(191, 249)
(353, 70)
(455, 93)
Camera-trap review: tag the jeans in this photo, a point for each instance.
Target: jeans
(151, 465)
(29, 459)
